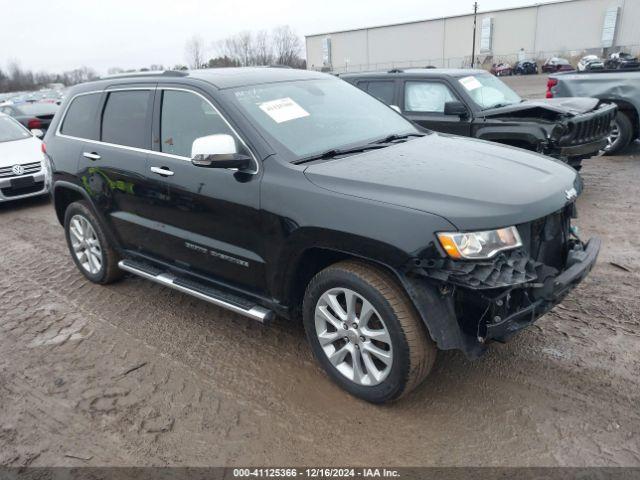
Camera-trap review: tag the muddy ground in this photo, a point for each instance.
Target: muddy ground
(136, 374)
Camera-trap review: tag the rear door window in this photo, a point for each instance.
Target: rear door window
(125, 118)
(80, 119)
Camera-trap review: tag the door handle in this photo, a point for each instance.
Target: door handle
(91, 156)
(164, 171)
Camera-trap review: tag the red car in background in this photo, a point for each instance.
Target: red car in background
(501, 69)
(557, 64)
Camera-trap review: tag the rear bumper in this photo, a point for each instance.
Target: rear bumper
(580, 265)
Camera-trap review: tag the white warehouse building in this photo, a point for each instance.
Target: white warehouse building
(569, 28)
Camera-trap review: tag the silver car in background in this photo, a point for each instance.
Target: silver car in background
(24, 167)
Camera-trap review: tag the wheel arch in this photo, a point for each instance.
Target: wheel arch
(630, 110)
(436, 310)
(64, 194)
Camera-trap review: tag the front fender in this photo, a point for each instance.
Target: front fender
(513, 134)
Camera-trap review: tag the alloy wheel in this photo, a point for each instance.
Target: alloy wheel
(353, 336)
(85, 244)
(613, 137)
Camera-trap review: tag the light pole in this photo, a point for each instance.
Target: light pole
(473, 48)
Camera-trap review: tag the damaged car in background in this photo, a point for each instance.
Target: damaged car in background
(474, 103)
(614, 87)
(292, 193)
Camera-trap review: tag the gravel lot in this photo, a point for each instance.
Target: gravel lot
(136, 374)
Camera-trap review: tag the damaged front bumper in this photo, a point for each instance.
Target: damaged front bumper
(479, 301)
(551, 292)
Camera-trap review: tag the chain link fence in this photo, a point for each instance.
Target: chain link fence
(483, 60)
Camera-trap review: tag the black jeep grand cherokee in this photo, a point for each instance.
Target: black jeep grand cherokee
(285, 192)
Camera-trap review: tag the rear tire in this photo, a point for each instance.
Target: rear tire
(621, 134)
(393, 328)
(90, 249)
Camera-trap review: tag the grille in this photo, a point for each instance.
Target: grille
(29, 169)
(16, 192)
(546, 238)
(592, 127)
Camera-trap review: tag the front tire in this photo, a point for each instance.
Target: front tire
(620, 136)
(365, 333)
(90, 249)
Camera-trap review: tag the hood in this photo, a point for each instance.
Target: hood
(472, 183)
(27, 150)
(545, 107)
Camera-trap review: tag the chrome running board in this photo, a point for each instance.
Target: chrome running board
(208, 294)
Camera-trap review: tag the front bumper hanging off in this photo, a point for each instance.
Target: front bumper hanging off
(476, 302)
(555, 289)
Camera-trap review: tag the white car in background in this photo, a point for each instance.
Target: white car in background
(24, 167)
(590, 62)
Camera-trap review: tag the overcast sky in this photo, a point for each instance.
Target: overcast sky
(57, 35)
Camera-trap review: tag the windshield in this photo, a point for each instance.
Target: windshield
(11, 130)
(489, 91)
(311, 117)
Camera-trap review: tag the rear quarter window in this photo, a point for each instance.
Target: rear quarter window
(80, 119)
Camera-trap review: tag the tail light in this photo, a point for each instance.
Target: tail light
(552, 82)
(34, 123)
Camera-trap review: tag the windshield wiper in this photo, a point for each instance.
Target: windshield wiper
(335, 152)
(396, 136)
(499, 105)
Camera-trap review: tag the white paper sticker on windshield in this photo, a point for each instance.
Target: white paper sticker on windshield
(470, 83)
(283, 110)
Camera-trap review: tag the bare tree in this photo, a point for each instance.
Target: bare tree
(287, 46)
(262, 51)
(283, 46)
(194, 51)
(239, 47)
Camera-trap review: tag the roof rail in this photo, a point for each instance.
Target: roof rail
(396, 70)
(164, 73)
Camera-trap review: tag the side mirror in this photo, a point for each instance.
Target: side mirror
(455, 108)
(218, 151)
(396, 108)
(36, 132)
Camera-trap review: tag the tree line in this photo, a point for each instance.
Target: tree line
(16, 79)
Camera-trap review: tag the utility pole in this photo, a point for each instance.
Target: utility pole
(473, 48)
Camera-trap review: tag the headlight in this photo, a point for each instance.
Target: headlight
(475, 245)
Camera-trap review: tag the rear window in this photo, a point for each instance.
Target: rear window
(80, 119)
(124, 121)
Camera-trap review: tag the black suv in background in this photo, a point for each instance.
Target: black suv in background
(474, 103)
(284, 192)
